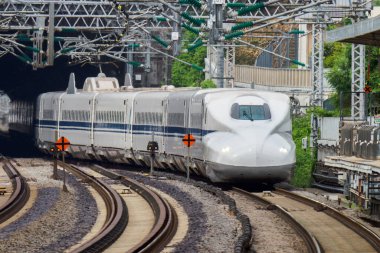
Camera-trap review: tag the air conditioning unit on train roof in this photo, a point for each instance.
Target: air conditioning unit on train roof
(101, 83)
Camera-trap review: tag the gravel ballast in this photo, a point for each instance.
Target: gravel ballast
(212, 227)
(271, 234)
(57, 219)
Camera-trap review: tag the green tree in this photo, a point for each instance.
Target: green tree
(339, 61)
(184, 75)
(205, 84)
(304, 159)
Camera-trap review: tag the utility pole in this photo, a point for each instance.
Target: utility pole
(176, 32)
(129, 67)
(216, 25)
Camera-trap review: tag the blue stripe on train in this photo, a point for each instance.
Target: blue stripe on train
(122, 128)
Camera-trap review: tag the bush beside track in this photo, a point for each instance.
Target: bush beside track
(304, 160)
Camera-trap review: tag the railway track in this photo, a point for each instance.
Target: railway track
(20, 194)
(165, 224)
(165, 221)
(333, 231)
(363, 234)
(311, 242)
(116, 218)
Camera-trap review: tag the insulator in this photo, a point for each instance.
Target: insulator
(192, 47)
(296, 31)
(299, 63)
(67, 50)
(193, 20)
(191, 29)
(233, 35)
(236, 5)
(251, 8)
(160, 18)
(33, 49)
(160, 41)
(196, 67)
(135, 63)
(241, 26)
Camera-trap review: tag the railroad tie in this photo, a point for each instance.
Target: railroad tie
(126, 190)
(3, 190)
(267, 193)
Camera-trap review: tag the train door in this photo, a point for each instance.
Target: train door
(56, 101)
(126, 113)
(196, 112)
(175, 124)
(165, 103)
(129, 119)
(39, 117)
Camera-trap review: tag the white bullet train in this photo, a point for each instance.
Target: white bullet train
(241, 135)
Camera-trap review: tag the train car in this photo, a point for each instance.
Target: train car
(5, 104)
(240, 135)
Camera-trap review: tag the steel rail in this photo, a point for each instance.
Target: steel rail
(116, 218)
(166, 222)
(20, 195)
(312, 244)
(354, 225)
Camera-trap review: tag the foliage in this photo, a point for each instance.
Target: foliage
(320, 112)
(304, 158)
(373, 62)
(376, 2)
(184, 75)
(205, 84)
(339, 62)
(338, 59)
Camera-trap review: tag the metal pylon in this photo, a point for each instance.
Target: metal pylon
(317, 66)
(317, 78)
(357, 74)
(230, 66)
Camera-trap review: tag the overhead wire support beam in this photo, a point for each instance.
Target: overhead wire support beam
(291, 14)
(76, 14)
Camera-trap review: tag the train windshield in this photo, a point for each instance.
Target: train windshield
(250, 112)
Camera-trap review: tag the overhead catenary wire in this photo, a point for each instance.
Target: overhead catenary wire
(194, 66)
(271, 52)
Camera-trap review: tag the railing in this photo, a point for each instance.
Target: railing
(295, 78)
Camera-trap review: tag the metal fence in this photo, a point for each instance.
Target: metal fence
(294, 78)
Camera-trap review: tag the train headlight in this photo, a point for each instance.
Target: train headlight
(226, 150)
(283, 150)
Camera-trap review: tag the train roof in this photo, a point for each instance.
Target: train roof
(103, 84)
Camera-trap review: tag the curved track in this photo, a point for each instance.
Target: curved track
(117, 215)
(336, 231)
(165, 224)
(20, 193)
(312, 244)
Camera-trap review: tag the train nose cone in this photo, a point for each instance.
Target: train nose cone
(232, 148)
(250, 155)
(278, 149)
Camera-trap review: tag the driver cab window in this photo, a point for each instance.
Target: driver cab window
(250, 112)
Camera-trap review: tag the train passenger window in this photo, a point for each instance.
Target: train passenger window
(250, 112)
